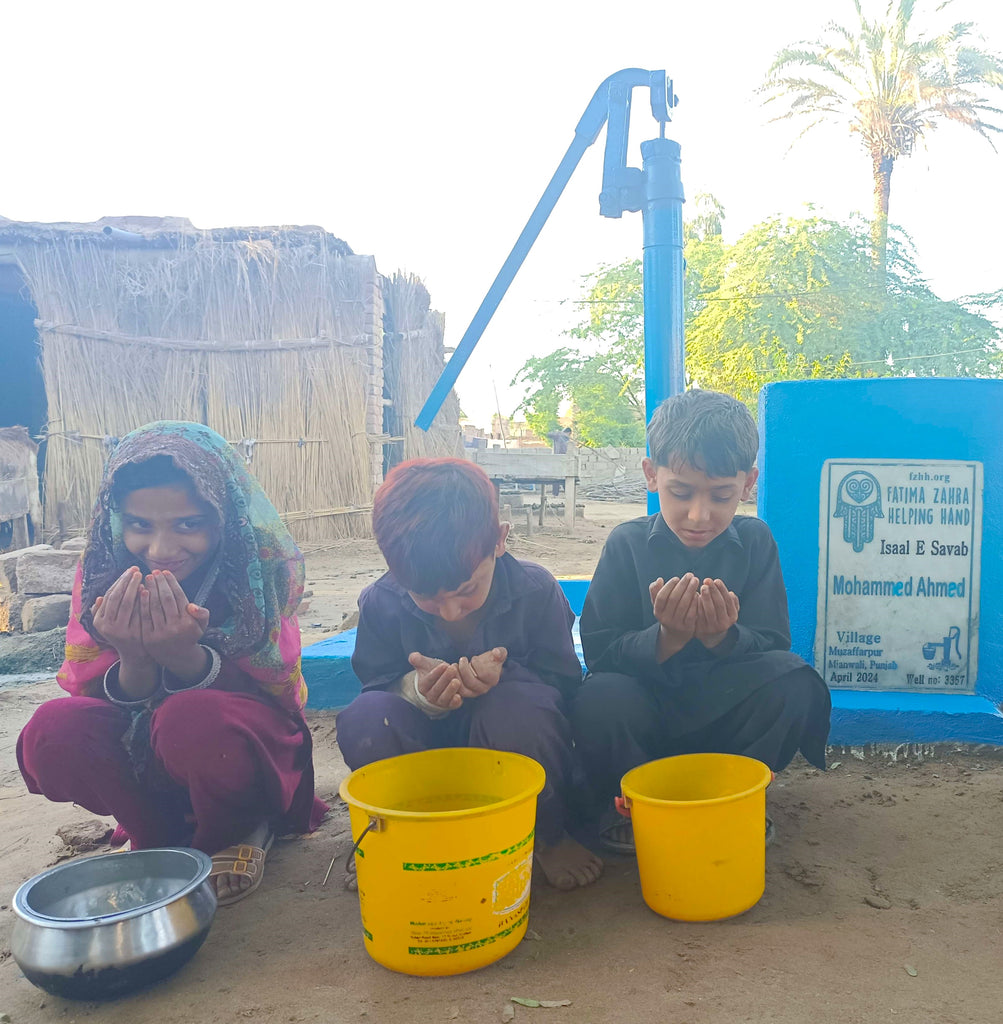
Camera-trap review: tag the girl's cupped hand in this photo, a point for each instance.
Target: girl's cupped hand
(172, 625)
(117, 615)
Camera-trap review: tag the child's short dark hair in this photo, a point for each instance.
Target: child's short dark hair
(435, 520)
(157, 471)
(712, 432)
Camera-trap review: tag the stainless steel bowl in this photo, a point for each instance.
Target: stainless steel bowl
(99, 927)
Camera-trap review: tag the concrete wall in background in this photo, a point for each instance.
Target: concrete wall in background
(609, 465)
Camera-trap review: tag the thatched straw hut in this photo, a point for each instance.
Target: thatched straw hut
(19, 501)
(412, 361)
(272, 336)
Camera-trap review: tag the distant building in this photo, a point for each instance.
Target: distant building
(473, 435)
(514, 433)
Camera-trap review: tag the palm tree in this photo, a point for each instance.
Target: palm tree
(892, 85)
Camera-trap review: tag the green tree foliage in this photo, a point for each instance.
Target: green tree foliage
(601, 388)
(795, 298)
(799, 298)
(603, 377)
(891, 84)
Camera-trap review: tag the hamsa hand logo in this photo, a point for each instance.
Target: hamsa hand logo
(858, 504)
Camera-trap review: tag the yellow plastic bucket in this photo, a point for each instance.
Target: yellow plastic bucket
(700, 833)
(444, 871)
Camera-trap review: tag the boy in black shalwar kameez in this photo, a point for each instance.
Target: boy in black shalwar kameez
(685, 628)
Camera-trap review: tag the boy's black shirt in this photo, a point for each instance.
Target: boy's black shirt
(618, 628)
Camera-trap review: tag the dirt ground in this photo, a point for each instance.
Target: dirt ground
(884, 897)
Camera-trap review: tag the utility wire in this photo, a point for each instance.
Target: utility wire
(902, 359)
(703, 296)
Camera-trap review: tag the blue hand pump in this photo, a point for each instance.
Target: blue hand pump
(656, 190)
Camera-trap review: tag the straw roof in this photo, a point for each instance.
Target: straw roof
(269, 335)
(153, 233)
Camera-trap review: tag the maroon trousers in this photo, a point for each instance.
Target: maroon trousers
(222, 763)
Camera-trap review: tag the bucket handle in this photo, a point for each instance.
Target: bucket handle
(375, 825)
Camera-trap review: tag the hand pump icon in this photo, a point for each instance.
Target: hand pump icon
(953, 639)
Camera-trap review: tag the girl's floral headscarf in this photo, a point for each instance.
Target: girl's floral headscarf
(257, 567)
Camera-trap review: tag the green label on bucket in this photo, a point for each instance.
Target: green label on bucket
(470, 862)
(463, 947)
(368, 934)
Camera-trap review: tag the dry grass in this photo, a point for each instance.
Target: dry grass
(265, 338)
(413, 358)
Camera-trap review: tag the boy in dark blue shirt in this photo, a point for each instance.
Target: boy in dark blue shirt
(460, 644)
(685, 627)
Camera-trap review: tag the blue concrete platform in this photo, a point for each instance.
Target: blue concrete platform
(327, 669)
(859, 717)
(801, 424)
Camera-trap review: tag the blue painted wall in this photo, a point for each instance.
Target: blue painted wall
(803, 423)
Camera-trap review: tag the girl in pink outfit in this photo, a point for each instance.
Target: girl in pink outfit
(185, 715)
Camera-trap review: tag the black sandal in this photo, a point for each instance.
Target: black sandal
(616, 833)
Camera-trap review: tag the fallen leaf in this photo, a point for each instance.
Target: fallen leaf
(911, 971)
(453, 1013)
(834, 765)
(508, 1013)
(540, 1002)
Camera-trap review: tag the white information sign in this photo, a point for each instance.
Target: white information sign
(899, 556)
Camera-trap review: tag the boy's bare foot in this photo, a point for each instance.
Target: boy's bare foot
(232, 885)
(568, 865)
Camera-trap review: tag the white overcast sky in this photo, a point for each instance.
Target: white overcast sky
(424, 133)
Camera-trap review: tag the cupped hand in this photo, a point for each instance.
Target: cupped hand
(674, 605)
(481, 672)
(437, 681)
(173, 626)
(717, 612)
(117, 616)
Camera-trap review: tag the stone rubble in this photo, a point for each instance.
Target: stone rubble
(35, 586)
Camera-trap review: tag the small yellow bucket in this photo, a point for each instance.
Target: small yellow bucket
(445, 869)
(700, 833)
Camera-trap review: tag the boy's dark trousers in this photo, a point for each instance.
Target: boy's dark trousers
(621, 722)
(525, 717)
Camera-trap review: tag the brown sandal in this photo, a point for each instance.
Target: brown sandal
(243, 860)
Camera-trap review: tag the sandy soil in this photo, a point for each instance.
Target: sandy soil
(917, 836)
